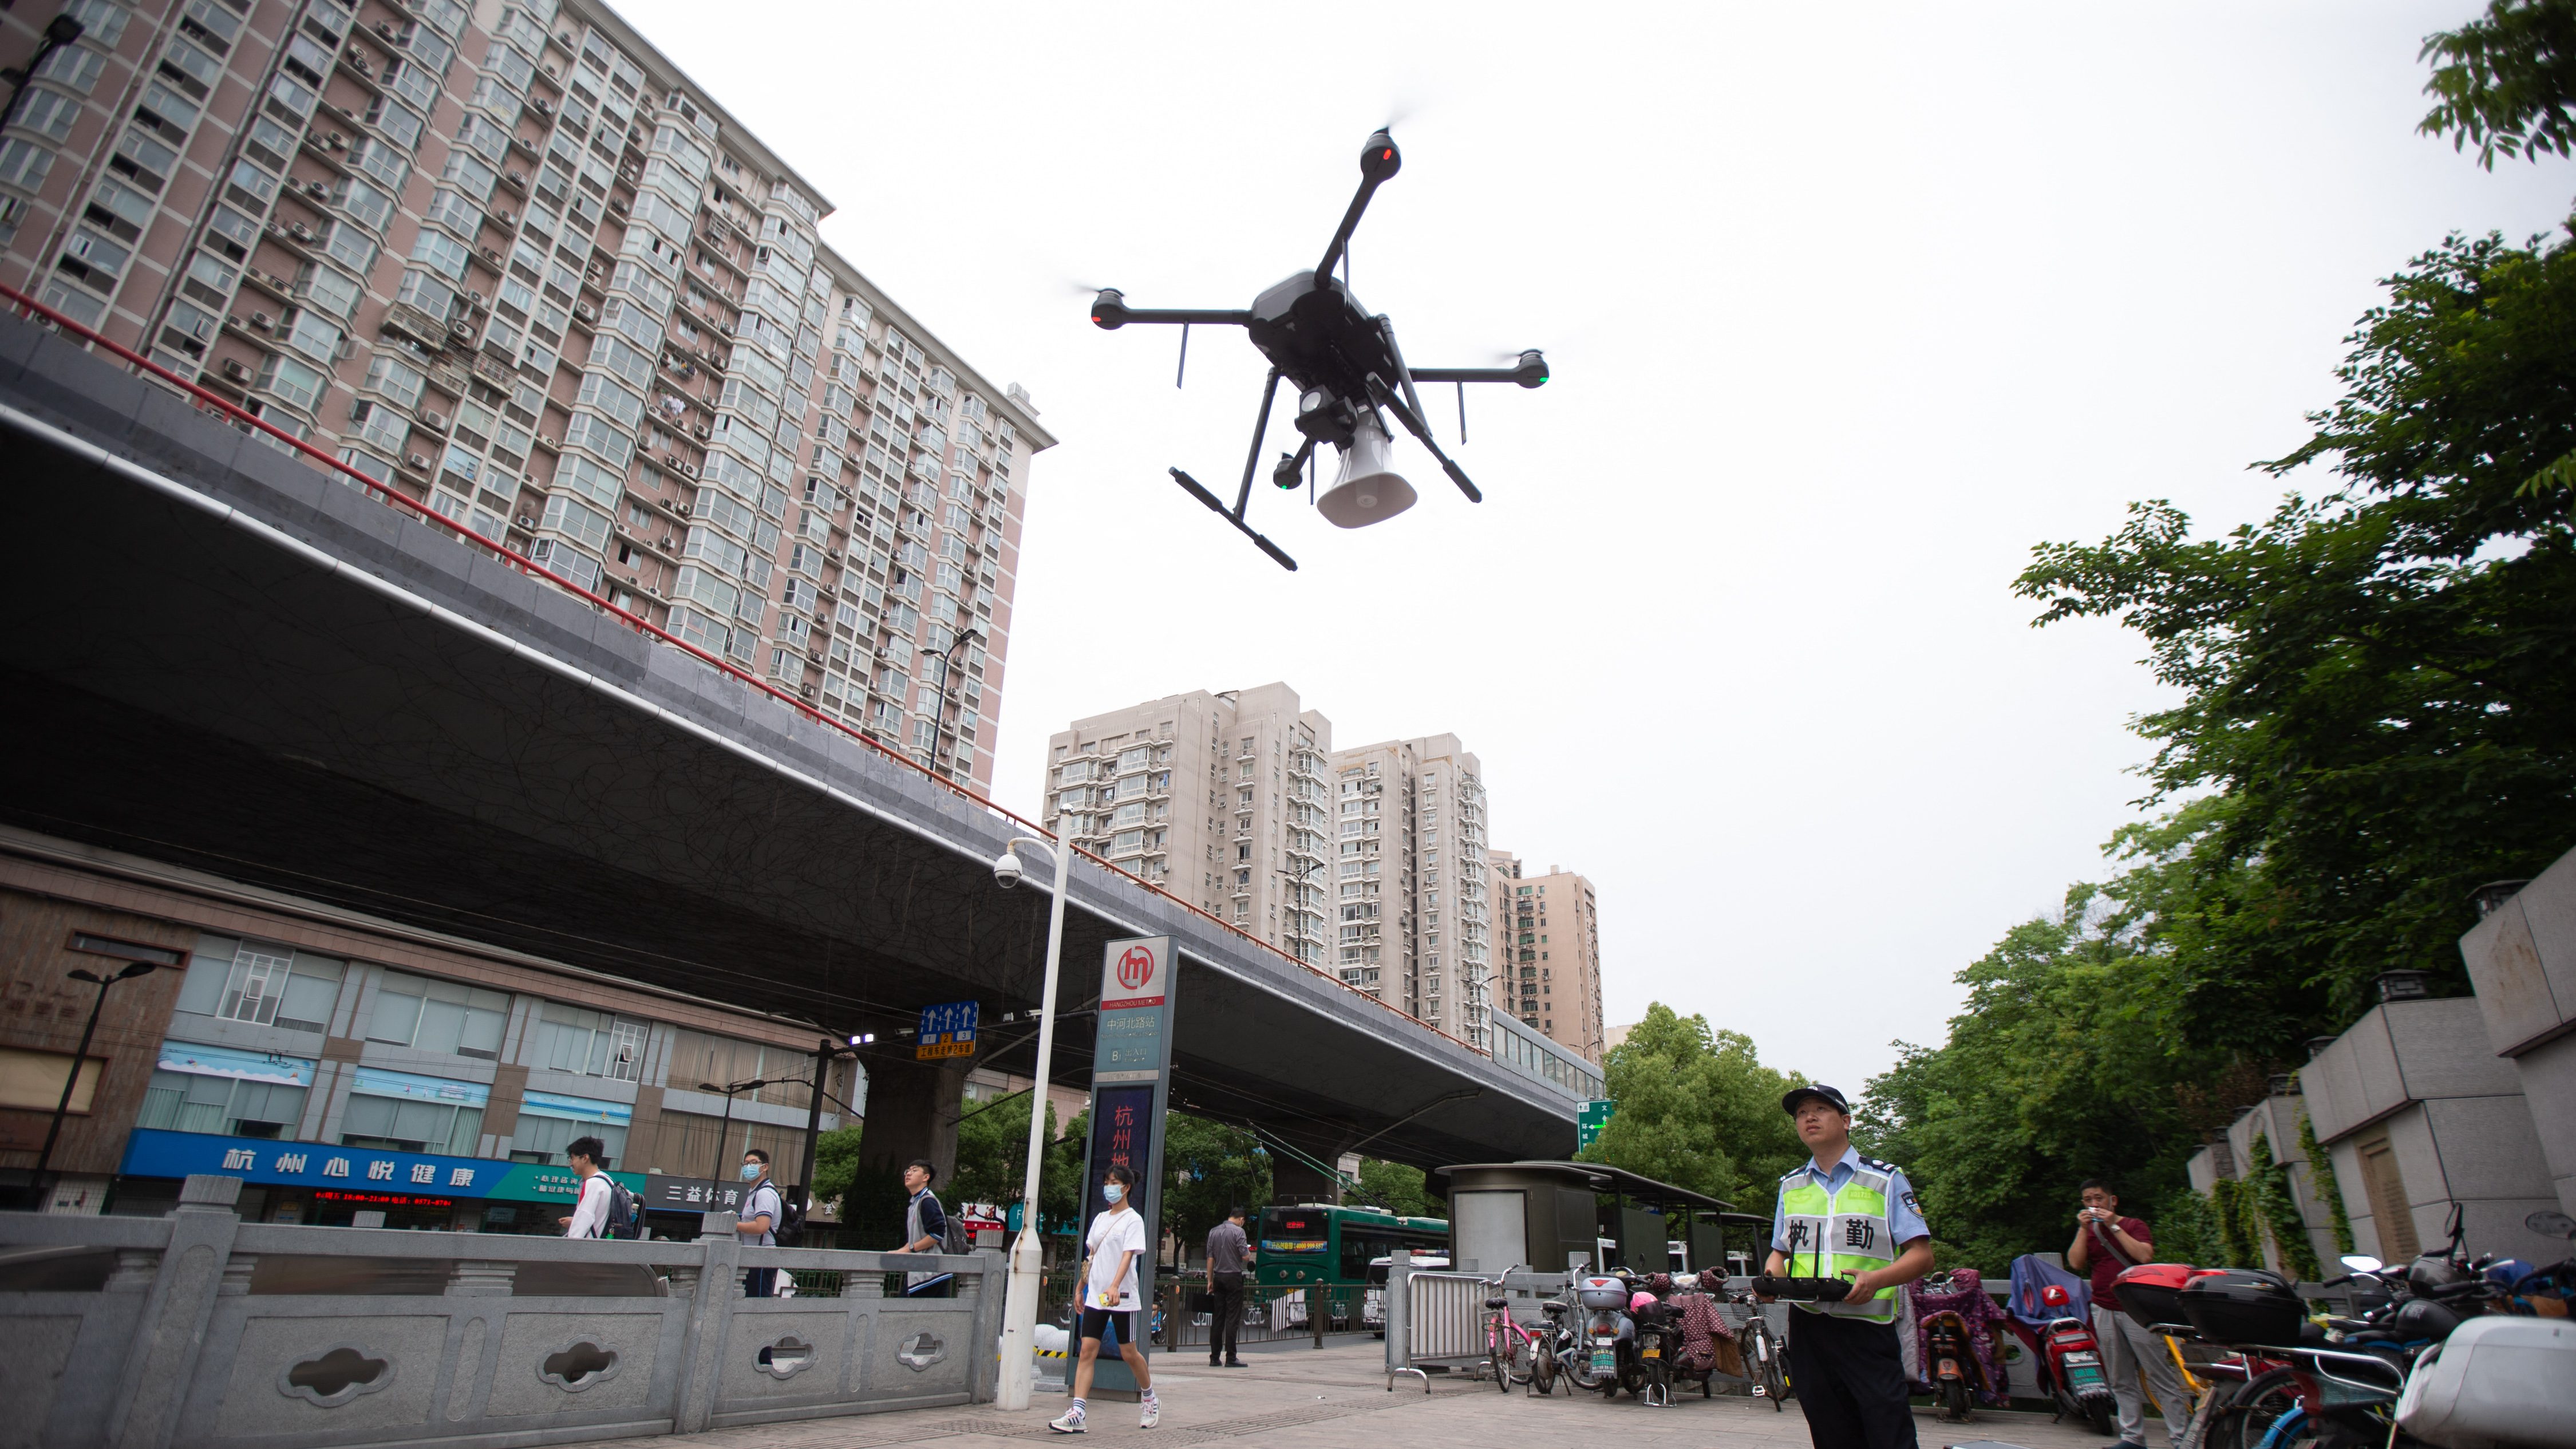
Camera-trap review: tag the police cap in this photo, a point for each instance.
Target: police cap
(1831, 1096)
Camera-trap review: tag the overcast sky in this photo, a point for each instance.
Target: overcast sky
(1848, 307)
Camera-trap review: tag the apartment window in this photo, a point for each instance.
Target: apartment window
(225, 1091)
(438, 1016)
(261, 982)
(294, 383)
(403, 1112)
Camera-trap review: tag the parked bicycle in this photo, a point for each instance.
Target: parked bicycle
(1511, 1350)
(1766, 1358)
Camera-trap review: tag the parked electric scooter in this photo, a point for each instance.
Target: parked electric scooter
(2073, 1358)
(1953, 1369)
(2507, 1379)
(1655, 1342)
(1608, 1341)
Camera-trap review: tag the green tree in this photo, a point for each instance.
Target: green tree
(1399, 1189)
(2506, 81)
(993, 1153)
(1208, 1168)
(2057, 1069)
(836, 1164)
(2377, 713)
(1696, 1108)
(2380, 683)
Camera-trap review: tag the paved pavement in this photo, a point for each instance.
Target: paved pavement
(1296, 1397)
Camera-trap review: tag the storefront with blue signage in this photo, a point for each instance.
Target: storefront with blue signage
(344, 1186)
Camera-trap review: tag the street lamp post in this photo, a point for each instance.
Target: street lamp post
(1020, 1305)
(1297, 881)
(947, 667)
(80, 1057)
(726, 1130)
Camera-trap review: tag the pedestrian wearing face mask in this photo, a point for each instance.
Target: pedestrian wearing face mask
(757, 1223)
(1114, 1246)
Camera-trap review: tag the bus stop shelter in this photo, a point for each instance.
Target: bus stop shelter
(1547, 1215)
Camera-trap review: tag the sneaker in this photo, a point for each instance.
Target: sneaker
(1236, 1363)
(1071, 1423)
(1153, 1411)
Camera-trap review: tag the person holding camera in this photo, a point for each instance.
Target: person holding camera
(2105, 1243)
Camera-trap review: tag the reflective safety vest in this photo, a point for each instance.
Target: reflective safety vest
(1838, 1233)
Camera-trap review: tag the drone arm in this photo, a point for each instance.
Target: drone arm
(1531, 371)
(1414, 424)
(1186, 316)
(1350, 223)
(1109, 312)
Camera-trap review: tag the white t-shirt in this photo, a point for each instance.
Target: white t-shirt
(590, 1212)
(1114, 1233)
(761, 1201)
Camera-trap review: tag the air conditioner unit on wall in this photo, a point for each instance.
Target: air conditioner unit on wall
(234, 370)
(419, 462)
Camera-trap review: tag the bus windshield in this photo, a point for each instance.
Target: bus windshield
(1295, 1232)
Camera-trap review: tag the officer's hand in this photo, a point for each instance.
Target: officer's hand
(1864, 1287)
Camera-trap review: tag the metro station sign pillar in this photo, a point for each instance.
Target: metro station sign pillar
(1131, 1083)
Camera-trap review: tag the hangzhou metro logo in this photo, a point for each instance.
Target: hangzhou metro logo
(1136, 967)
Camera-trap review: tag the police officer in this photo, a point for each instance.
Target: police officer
(1847, 1216)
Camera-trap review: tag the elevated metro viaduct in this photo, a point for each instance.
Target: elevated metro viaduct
(222, 656)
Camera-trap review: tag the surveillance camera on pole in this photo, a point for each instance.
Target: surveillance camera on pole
(1007, 870)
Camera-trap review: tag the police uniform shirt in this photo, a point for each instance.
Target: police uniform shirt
(1904, 1214)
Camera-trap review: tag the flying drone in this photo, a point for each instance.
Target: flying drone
(1347, 371)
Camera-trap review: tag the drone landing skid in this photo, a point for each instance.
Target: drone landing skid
(1200, 493)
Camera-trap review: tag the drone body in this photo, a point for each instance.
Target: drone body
(1346, 367)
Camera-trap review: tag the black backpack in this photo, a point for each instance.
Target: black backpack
(789, 1229)
(625, 1214)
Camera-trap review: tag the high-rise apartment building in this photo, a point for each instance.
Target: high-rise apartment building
(1221, 799)
(507, 261)
(1410, 881)
(1549, 927)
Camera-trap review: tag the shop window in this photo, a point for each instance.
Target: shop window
(699, 1057)
(225, 1091)
(690, 1144)
(439, 1016)
(542, 1136)
(407, 1113)
(593, 1043)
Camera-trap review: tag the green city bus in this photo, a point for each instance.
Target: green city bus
(1321, 1243)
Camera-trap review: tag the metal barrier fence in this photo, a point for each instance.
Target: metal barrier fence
(1272, 1314)
(1439, 1318)
(198, 1329)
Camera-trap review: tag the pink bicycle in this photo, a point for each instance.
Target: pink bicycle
(1511, 1350)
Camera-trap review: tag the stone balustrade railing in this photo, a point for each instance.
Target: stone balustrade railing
(198, 1329)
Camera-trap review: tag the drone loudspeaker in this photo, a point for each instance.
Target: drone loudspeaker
(1369, 489)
